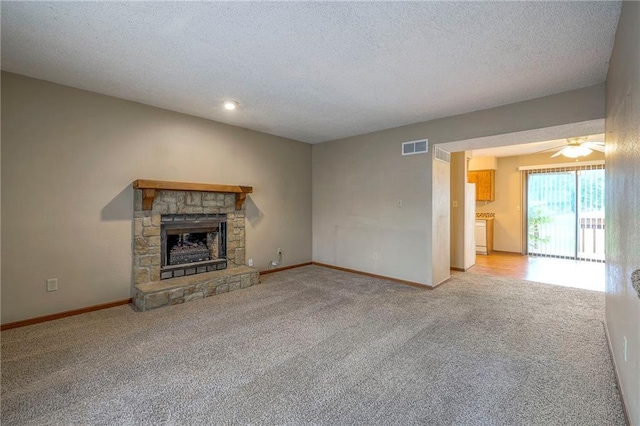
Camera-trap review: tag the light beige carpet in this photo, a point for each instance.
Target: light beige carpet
(317, 346)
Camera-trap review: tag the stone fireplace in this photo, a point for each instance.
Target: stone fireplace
(188, 242)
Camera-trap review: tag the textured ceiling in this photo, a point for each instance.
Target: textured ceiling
(313, 71)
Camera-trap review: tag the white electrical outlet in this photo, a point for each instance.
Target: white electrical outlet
(279, 251)
(399, 203)
(250, 262)
(624, 348)
(375, 255)
(52, 284)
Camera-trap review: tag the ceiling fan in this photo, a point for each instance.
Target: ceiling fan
(578, 147)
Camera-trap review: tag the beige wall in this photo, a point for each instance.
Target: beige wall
(622, 178)
(458, 177)
(356, 221)
(440, 222)
(357, 180)
(483, 163)
(508, 225)
(0, 205)
(68, 160)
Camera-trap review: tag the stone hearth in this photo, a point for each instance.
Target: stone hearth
(184, 289)
(182, 199)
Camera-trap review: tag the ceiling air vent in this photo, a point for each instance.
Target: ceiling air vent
(415, 147)
(441, 155)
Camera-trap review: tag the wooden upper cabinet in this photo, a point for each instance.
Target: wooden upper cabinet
(485, 184)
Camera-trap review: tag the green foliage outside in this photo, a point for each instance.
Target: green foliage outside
(537, 218)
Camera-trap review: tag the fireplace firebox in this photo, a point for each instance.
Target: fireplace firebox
(192, 244)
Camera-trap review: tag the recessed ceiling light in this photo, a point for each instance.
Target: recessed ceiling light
(230, 105)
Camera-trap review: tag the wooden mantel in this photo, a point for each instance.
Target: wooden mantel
(149, 188)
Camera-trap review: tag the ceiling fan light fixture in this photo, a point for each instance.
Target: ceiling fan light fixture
(576, 151)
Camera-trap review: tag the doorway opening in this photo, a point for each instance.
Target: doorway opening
(509, 207)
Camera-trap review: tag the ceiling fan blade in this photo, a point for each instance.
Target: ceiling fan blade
(549, 149)
(557, 153)
(599, 148)
(592, 144)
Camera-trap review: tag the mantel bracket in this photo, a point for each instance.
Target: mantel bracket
(148, 194)
(240, 199)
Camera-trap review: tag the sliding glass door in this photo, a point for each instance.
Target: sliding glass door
(565, 212)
